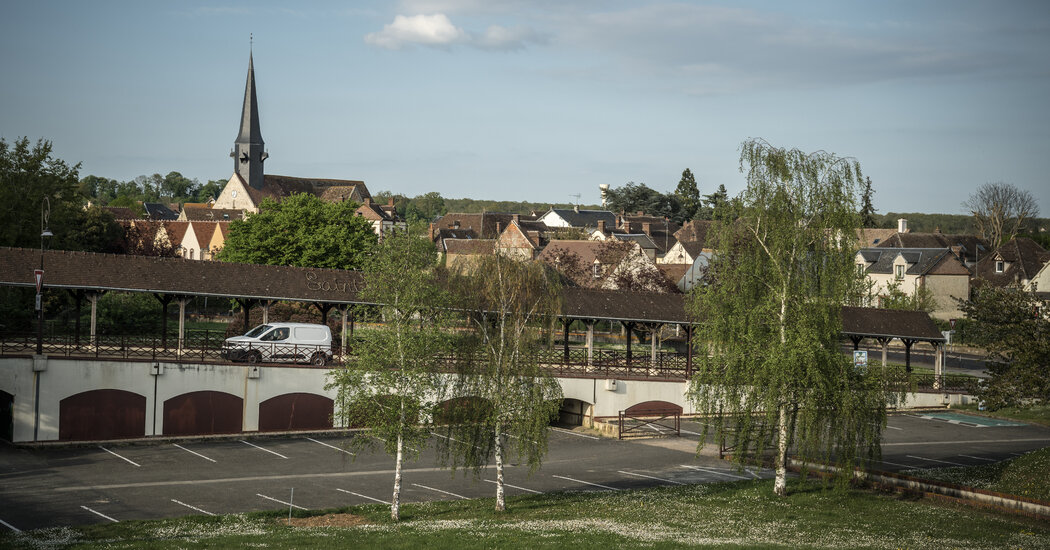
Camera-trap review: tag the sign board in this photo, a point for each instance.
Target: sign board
(948, 336)
(860, 359)
(951, 323)
(38, 274)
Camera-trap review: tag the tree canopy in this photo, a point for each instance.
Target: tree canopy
(1000, 211)
(1010, 324)
(301, 230)
(770, 315)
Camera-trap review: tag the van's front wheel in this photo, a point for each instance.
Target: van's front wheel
(254, 357)
(319, 359)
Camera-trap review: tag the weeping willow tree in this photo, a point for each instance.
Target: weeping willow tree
(503, 400)
(774, 377)
(388, 385)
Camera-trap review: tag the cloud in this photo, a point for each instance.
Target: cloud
(426, 30)
(437, 31)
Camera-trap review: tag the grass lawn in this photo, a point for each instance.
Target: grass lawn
(744, 514)
(1027, 475)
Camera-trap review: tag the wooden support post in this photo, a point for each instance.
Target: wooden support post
(342, 333)
(885, 342)
(324, 308)
(654, 331)
(907, 354)
(164, 299)
(78, 298)
(93, 298)
(689, 351)
(265, 304)
(938, 366)
(565, 338)
(629, 328)
(182, 324)
(590, 342)
(856, 341)
(246, 306)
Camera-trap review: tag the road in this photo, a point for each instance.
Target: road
(49, 487)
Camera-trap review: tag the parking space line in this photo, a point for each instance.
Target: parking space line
(193, 452)
(329, 446)
(712, 471)
(970, 442)
(753, 474)
(407, 446)
(118, 456)
(262, 449)
(281, 501)
(979, 458)
(587, 483)
(11, 527)
(908, 466)
(100, 514)
(935, 460)
(570, 432)
(516, 437)
(651, 477)
(454, 440)
(192, 507)
(440, 491)
(362, 496)
(894, 427)
(505, 484)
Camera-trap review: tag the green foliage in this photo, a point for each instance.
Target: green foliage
(714, 205)
(895, 298)
(390, 381)
(28, 173)
(867, 209)
(1026, 476)
(771, 315)
(508, 303)
(1009, 324)
(304, 231)
(428, 206)
(638, 197)
(688, 194)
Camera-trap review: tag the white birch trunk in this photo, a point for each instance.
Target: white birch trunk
(395, 502)
(780, 485)
(501, 504)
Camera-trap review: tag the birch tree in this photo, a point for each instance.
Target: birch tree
(388, 385)
(1000, 211)
(770, 317)
(508, 303)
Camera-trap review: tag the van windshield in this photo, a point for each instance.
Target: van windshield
(257, 330)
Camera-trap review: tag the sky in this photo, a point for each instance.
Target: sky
(540, 100)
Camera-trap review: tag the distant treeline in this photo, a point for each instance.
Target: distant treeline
(947, 223)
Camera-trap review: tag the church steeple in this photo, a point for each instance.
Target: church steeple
(249, 151)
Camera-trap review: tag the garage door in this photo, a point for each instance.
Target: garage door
(202, 413)
(295, 411)
(102, 414)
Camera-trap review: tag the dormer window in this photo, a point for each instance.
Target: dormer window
(899, 271)
(1000, 266)
(597, 270)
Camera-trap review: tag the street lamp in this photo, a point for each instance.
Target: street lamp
(45, 231)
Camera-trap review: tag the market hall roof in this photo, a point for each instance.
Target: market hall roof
(118, 272)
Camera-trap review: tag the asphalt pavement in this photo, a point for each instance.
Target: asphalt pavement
(61, 486)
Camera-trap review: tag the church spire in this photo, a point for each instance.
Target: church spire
(249, 149)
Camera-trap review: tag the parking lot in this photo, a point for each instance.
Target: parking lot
(47, 487)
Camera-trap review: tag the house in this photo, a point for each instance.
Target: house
(197, 212)
(202, 240)
(868, 237)
(610, 265)
(157, 211)
(462, 254)
(692, 240)
(936, 269)
(153, 238)
(121, 212)
(522, 239)
(485, 225)
(574, 217)
(384, 217)
(968, 248)
(1019, 261)
(655, 235)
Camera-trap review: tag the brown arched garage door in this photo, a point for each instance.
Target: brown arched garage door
(102, 414)
(202, 413)
(295, 411)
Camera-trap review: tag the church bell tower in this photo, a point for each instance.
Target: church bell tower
(249, 151)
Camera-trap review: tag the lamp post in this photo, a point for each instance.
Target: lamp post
(45, 231)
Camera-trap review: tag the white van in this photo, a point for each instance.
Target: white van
(282, 342)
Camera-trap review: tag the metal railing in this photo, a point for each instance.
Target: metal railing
(603, 363)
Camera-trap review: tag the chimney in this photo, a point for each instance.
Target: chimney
(576, 208)
(601, 226)
(647, 228)
(368, 201)
(516, 218)
(902, 225)
(499, 228)
(391, 203)
(432, 227)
